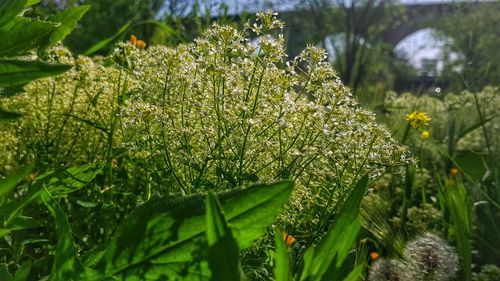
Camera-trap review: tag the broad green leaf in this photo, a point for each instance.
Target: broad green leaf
(23, 272)
(8, 115)
(223, 253)
(68, 19)
(282, 265)
(66, 265)
(9, 9)
(14, 72)
(9, 183)
(165, 236)
(324, 262)
(24, 34)
(60, 183)
(105, 42)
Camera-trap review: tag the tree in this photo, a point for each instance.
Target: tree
(474, 30)
(354, 32)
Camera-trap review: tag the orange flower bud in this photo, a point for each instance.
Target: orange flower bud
(133, 39)
(140, 44)
(289, 239)
(374, 256)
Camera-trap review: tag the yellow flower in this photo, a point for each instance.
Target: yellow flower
(426, 134)
(454, 171)
(418, 119)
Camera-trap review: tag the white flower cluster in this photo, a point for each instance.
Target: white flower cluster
(222, 112)
(214, 114)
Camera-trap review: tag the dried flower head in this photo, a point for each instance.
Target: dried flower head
(386, 270)
(429, 258)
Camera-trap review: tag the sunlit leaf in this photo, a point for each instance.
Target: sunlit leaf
(68, 20)
(9, 183)
(23, 34)
(324, 262)
(9, 9)
(108, 41)
(166, 237)
(14, 72)
(223, 253)
(282, 266)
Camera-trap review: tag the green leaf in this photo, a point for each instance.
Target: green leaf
(4, 232)
(32, 2)
(282, 267)
(9, 183)
(458, 205)
(21, 222)
(4, 271)
(356, 274)
(165, 237)
(60, 183)
(223, 253)
(8, 116)
(105, 42)
(66, 265)
(471, 163)
(14, 72)
(24, 34)
(325, 261)
(23, 272)
(68, 19)
(9, 9)
(167, 29)
(12, 91)
(86, 204)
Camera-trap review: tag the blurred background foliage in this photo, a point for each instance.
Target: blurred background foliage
(455, 188)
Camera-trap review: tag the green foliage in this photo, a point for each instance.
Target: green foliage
(478, 62)
(223, 253)
(66, 265)
(15, 72)
(326, 260)
(68, 20)
(457, 202)
(170, 236)
(282, 270)
(9, 183)
(119, 35)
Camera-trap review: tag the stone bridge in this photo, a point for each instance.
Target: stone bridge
(414, 17)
